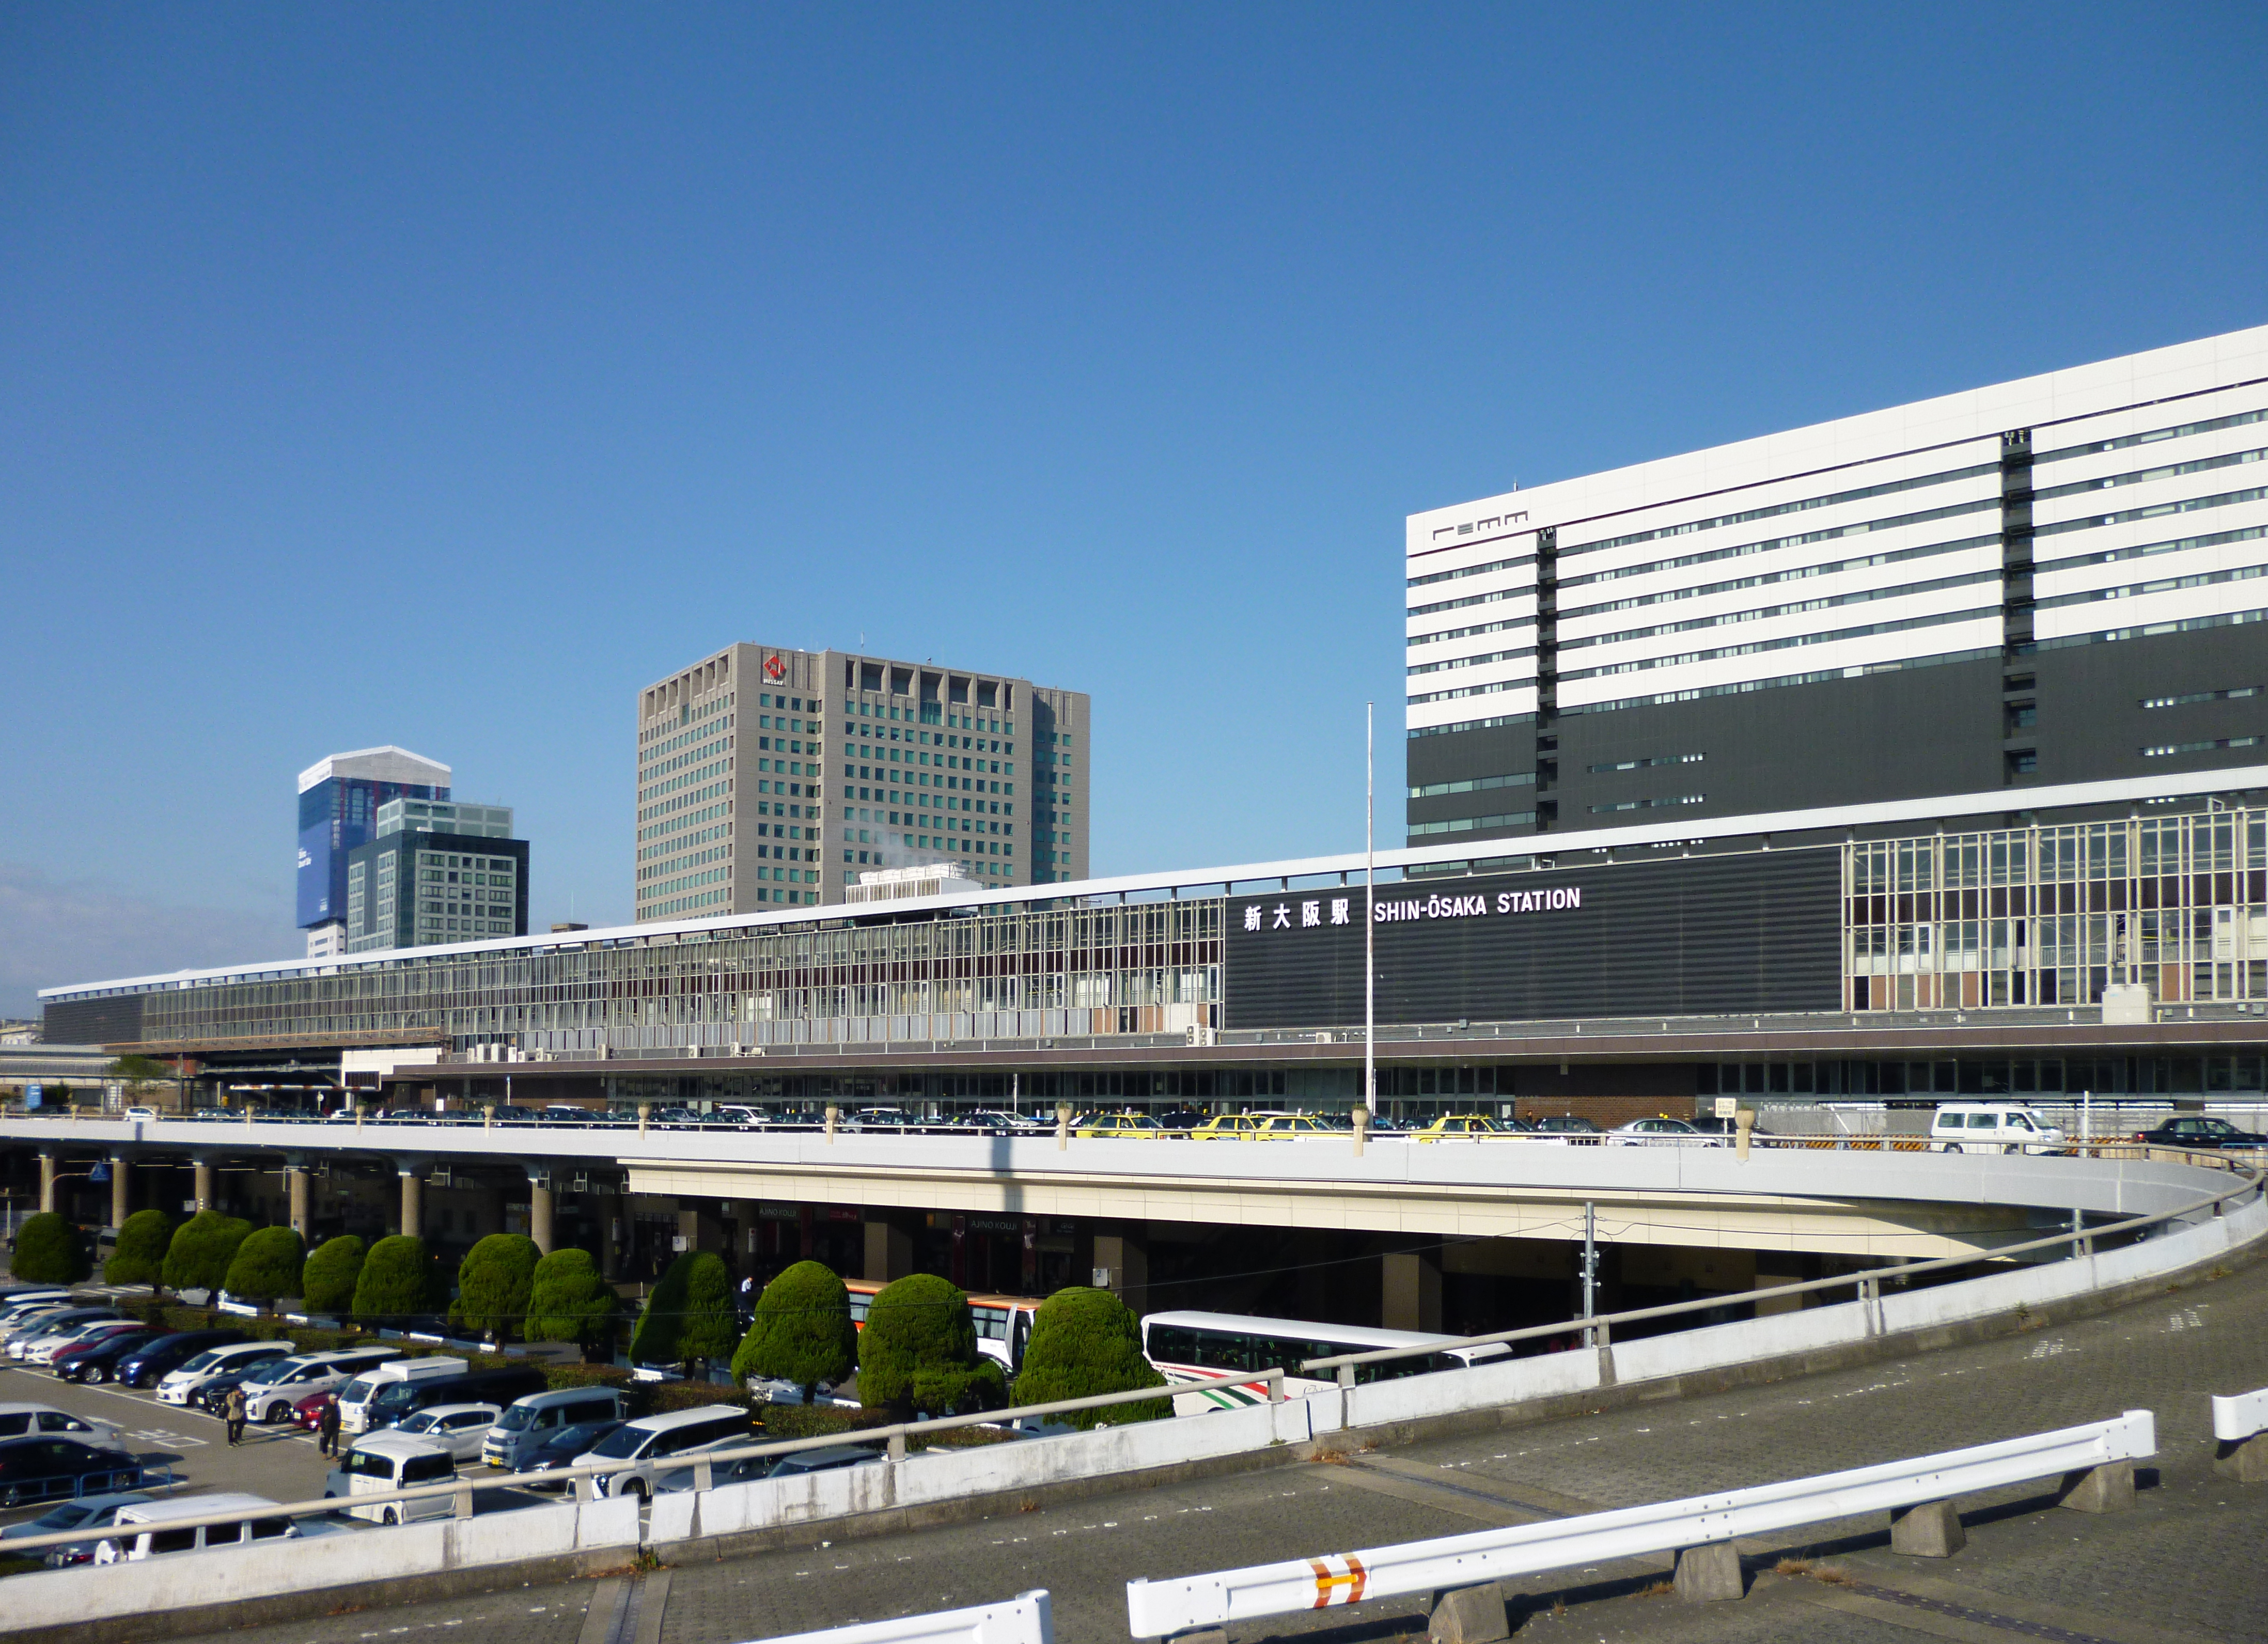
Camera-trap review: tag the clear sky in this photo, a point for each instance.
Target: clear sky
(439, 375)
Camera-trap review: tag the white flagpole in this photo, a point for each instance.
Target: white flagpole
(1369, 893)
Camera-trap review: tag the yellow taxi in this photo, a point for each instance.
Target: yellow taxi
(1263, 1127)
(1123, 1126)
(1228, 1127)
(1461, 1124)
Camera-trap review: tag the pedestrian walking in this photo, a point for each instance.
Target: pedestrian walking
(233, 1407)
(326, 1428)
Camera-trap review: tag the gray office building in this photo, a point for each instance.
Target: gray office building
(769, 776)
(436, 873)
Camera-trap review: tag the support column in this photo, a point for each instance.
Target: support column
(120, 1197)
(1122, 1264)
(539, 1206)
(48, 1162)
(889, 1249)
(203, 1189)
(1411, 1290)
(412, 1172)
(610, 1259)
(295, 1187)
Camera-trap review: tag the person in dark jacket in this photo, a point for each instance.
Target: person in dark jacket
(326, 1428)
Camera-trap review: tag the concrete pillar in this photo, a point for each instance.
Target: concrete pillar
(1411, 1290)
(121, 1179)
(889, 1249)
(203, 1189)
(295, 1186)
(413, 1198)
(48, 1162)
(1122, 1257)
(2109, 1488)
(610, 1259)
(1929, 1531)
(540, 1206)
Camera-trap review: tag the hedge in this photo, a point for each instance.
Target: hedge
(568, 1300)
(50, 1250)
(266, 1265)
(1086, 1342)
(493, 1284)
(395, 1280)
(139, 1257)
(801, 1331)
(202, 1248)
(328, 1282)
(918, 1352)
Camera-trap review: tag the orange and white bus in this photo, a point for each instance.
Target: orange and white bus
(1197, 1347)
(1003, 1323)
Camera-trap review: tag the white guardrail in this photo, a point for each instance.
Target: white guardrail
(1023, 1620)
(1162, 1608)
(2239, 1416)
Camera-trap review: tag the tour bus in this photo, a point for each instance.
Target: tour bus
(1193, 1346)
(1003, 1323)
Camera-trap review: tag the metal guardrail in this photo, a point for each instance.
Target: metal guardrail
(702, 1463)
(1598, 1330)
(1160, 1609)
(1027, 1619)
(2239, 1416)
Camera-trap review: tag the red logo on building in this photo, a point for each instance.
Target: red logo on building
(773, 668)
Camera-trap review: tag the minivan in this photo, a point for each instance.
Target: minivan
(653, 1439)
(2000, 1127)
(531, 1421)
(272, 1394)
(391, 1403)
(179, 1386)
(140, 1532)
(355, 1397)
(394, 1460)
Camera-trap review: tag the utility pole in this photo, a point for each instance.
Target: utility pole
(1590, 1267)
(1369, 912)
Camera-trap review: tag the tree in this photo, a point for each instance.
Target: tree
(139, 1072)
(50, 1250)
(202, 1248)
(801, 1331)
(140, 1256)
(266, 1265)
(918, 1351)
(1086, 1342)
(689, 1315)
(395, 1280)
(328, 1282)
(568, 1300)
(493, 1284)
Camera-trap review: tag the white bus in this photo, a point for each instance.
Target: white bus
(1193, 1346)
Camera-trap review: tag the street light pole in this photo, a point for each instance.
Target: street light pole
(1369, 896)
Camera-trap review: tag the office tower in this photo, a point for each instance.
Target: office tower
(339, 802)
(433, 873)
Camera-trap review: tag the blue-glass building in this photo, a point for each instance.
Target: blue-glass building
(339, 799)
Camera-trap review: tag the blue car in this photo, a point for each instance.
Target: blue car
(152, 1361)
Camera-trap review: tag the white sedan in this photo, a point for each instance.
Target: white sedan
(1662, 1132)
(459, 1426)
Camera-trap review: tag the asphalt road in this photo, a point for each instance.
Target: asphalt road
(2188, 1566)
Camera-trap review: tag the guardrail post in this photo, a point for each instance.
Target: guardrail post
(585, 1490)
(2244, 1460)
(833, 1119)
(704, 1476)
(897, 1444)
(1468, 1615)
(1602, 1336)
(2109, 1488)
(1276, 1386)
(1708, 1574)
(1930, 1530)
(464, 1500)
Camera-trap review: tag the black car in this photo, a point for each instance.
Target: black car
(2191, 1130)
(99, 1363)
(40, 1468)
(152, 1361)
(211, 1397)
(1565, 1124)
(562, 1446)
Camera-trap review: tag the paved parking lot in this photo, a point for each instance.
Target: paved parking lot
(2187, 1566)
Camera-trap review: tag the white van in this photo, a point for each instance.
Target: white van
(2000, 1127)
(524, 1428)
(395, 1461)
(179, 1386)
(355, 1397)
(653, 1439)
(139, 1531)
(272, 1392)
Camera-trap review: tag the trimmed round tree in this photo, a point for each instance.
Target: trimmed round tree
(1086, 1342)
(689, 1315)
(140, 1256)
(801, 1331)
(395, 1281)
(202, 1248)
(493, 1284)
(569, 1300)
(328, 1282)
(50, 1250)
(653, 1340)
(266, 1265)
(918, 1351)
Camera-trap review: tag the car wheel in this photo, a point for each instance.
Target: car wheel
(11, 1497)
(635, 1490)
(392, 1516)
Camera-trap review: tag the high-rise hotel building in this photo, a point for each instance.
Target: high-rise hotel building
(2055, 580)
(778, 777)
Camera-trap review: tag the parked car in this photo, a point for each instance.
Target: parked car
(1123, 1126)
(151, 1361)
(308, 1414)
(1660, 1132)
(457, 1428)
(49, 1348)
(1289, 1127)
(24, 1296)
(797, 1463)
(140, 1531)
(40, 1467)
(202, 1370)
(2190, 1131)
(395, 1401)
(529, 1423)
(651, 1439)
(562, 1447)
(40, 1326)
(1992, 1127)
(883, 1119)
(994, 1119)
(142, 1115)
(1567, 1125)
(1461, 1126)
(17, 1420)
(355, 1398)
(92, 1512)
(98, 1361)
(270, 1395)
(1229, 1127)
(393, 1461)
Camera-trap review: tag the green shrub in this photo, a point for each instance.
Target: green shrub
(202, 1248)
(918, 1352)
(801, 1333)
(395, 1281)
(493, 1284)
(664, 1396)
(140, 1256)
(556, 1376)
(266, 1265)
(568, 1301)
(327, 1284)
(1086, 1342)
(50, 1250)
(689, 1316)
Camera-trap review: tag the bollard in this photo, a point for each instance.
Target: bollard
(1361, 1129)
(1929, 1531)
(1744, 1124)
(1468, 1615)
(1063, 1125)
(2109, 1488)
(1708, 1574)
(833, 1119)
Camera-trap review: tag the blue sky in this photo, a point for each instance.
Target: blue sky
(440, 375)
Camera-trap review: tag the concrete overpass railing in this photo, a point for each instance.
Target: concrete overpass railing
(1027, 1619)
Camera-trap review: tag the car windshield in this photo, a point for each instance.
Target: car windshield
(204, 1361)
(419, 1422)
(356, 1390)
(519, 1418)
(68, 1518)
(621, 1442)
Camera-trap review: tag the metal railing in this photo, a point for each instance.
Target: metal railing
(702, 1463)
(1027, 1619)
